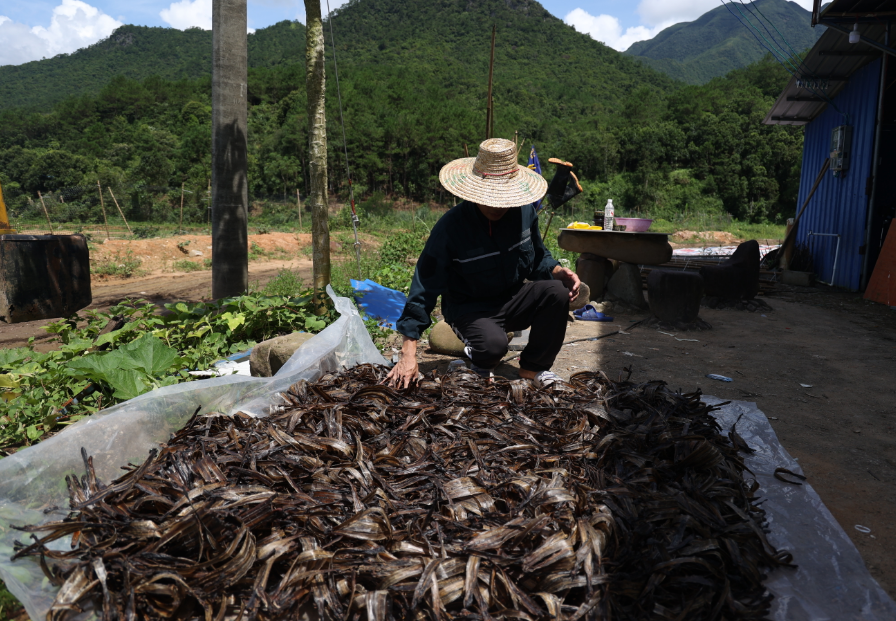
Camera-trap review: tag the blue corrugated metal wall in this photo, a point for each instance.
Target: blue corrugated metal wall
(840, 205)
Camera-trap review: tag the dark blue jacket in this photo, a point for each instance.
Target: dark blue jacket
(475, 265)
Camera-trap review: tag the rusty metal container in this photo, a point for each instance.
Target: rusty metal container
(43, 276)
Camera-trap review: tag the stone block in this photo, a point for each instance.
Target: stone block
(593, 271)
(269, 356)
(443, 340)
(626, 285)
(582, 299)
(674, 295)
(736, 278)
(800, 279)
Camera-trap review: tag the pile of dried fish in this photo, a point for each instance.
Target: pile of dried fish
(455, 499)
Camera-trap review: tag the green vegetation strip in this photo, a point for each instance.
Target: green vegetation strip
(150, 350)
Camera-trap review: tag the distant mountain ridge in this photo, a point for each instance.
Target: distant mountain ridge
(718, 41)
(387, 34)
(138, 52)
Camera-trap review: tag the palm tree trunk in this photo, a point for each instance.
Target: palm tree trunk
(315, 85)
(230, 193)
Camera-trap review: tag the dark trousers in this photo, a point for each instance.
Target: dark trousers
(543, 305)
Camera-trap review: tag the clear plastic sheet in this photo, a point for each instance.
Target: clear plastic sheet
(831, 582)
(32, 481)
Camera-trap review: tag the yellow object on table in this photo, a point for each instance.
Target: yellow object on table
(584, 225)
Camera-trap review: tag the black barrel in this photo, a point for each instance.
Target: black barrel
(43, 276)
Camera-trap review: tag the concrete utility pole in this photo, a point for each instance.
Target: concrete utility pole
(230, 192)
(315, 85)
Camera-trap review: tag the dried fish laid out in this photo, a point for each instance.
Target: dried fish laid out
(454, 499)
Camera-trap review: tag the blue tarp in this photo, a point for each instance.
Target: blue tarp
(383, 304)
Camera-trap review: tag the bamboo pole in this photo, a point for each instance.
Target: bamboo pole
(121, 212)
(46, 213)
(299, 204)
(790, 236)
(180, 227)
(489, 112)
(103, 207)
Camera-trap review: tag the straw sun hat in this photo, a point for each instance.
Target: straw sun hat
(493, 178)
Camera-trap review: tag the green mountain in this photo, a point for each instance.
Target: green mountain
(413, 76)
(138, 52)
(720, 41)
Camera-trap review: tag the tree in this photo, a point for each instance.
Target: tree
(315, 85)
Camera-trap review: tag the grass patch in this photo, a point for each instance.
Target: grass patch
(121, 264)
(257, 253)
(286, 284)
(701, 222)
(9, 605)
(185, 265)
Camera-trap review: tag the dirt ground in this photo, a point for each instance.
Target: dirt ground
(841, 425)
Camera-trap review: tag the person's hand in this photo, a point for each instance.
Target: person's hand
(405, 371)
(569, 279)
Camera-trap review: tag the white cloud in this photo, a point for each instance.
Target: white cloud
(656, 12)
(188, 14)
(74, 25)
(608, 30)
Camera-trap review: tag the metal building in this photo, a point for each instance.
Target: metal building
(844, 95)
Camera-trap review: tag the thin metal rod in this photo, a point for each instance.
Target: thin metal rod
(489, 111)
(180, 226)
(117, 206)
(348, 172)
(836, 255)
(103, 207)
(47, 213)
(789, 238)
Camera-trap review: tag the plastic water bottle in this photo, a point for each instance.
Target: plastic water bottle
(609, 215)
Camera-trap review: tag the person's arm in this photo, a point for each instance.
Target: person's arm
(430, 281)
(569, 279)
(405, 370)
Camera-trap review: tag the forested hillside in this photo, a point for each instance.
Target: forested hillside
(137, 52)
(722, 40)
(413, 76)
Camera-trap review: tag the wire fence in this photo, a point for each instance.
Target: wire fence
(124, 212)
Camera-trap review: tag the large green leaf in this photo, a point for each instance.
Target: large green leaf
(150, 355)
(97, 366)
(127, 383)
(10, 357)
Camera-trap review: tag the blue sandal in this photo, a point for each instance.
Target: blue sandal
(589, 313)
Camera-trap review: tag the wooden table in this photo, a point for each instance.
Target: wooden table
(637, 248)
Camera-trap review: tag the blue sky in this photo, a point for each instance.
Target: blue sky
(35, 29)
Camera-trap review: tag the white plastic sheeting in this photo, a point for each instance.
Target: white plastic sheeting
(831, 582)
(32, 481)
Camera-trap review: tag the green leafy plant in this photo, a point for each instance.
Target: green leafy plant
(146, 231)
(185, 265)
(125, 265)
(96, 367)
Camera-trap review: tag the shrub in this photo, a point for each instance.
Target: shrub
(185, 265)
(125, 265)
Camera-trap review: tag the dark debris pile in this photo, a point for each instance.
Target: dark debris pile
(453, 500)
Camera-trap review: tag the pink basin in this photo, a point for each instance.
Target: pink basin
(634, 225)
